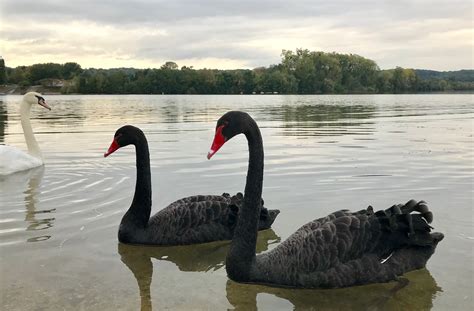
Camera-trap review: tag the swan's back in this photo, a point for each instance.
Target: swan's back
(15, 160)
(198, 219)
(345, 249)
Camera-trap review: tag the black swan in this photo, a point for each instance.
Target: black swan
(191, 220)
(342, 249)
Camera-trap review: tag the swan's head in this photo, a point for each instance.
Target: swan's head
(124, 136)
(229, 125)
(32, 98)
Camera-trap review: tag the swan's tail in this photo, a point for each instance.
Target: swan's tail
(408, 227)
(266, 219)
(411, 222)
(412, 257)
(404, 243)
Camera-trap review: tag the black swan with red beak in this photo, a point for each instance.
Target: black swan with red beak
(191, 220)
(342, 249)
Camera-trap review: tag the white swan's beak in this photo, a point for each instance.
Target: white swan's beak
(43, 103)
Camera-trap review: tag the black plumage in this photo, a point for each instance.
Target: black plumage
(342, 249)
(345, 249)
(191, 220)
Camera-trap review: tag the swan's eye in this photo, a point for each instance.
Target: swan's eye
(39, 98)
(222, 124)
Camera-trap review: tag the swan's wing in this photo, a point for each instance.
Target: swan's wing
(202, 218)
(347, 248)
(14, 160)
(225, 197)
(196, 219)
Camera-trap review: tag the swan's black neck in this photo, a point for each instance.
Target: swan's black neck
(241, 255)
(138, 214)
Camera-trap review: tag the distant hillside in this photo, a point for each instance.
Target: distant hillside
(299, 72)
(465, 75)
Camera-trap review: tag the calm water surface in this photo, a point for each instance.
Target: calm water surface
(58, 224)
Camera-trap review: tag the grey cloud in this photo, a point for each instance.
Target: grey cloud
(193, 44)
(121, 11)
(24, 34)
(224, 29)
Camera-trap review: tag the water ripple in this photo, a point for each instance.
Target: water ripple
(322, 153)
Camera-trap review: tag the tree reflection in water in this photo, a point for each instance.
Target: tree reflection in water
(323, 119)
(3, 121)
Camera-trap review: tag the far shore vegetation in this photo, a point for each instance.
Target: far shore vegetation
(299, 72)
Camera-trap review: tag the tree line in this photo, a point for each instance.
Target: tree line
(299, 72)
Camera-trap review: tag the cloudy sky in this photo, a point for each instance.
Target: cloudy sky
(222, 34)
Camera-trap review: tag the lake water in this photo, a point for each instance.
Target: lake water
(58, 224)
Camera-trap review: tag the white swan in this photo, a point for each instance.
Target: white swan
(14, 160)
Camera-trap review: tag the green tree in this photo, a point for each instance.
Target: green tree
(44, 71)
(206, 81)
(70, 70)
(170, 65)
(301, 72)
(114, 83)
(275, 79)
(384, 81)
(3, 71)
(397, 81)
(19, 76)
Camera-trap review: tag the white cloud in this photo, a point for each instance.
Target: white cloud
(235, 34)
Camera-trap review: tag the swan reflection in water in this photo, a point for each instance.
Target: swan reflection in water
(30, 180)
(417, 294)
(31, 194)
(200, 257)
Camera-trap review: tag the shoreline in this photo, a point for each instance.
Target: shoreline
(11, 89)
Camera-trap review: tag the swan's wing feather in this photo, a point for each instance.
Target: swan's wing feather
(347, 248)
(15, 160)
(202, 218)
(195, 219)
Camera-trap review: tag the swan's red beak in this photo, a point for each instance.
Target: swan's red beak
(219, 141)
(113, 147)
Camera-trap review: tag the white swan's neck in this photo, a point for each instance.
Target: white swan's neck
(33, 147)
